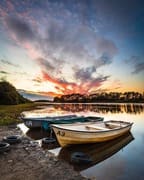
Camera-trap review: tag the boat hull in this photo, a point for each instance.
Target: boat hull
(69, 137)
(43, 122)
(33, 124)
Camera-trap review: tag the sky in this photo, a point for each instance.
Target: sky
(72, 46)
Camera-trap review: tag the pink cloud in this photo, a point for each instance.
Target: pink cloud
(32, 52)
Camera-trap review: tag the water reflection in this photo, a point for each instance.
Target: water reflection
(101, 108)
(37, 134)
(97, 152)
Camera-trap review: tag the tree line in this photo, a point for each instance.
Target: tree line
(102, 97)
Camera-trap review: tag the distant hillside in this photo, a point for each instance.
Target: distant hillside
(9, 95)
(34, 96)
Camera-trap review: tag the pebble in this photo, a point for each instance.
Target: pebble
(10, 161)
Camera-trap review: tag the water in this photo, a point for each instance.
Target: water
(120, 159)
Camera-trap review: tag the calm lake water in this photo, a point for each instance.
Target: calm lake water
(120, 159)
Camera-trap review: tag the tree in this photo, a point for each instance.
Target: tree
(9, 95)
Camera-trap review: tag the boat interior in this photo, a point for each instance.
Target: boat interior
(97, 126)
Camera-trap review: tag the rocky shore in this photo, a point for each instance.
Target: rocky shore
(28, 161)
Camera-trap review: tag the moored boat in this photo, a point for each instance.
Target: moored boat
(39, 122)
(44, 123)
(90, 132)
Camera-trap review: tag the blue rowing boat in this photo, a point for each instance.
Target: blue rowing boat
(45, 122)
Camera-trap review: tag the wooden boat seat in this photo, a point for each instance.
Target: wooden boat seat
(114, 124)
(96, 127)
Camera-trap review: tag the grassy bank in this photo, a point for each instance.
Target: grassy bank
(9, 113)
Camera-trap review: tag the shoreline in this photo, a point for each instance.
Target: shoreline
(28, 161)
(95, 103)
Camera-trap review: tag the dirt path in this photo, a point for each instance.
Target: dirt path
(28, 161)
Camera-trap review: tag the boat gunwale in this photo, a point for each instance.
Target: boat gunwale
(51, 119)
(129, 124)
(47, 118)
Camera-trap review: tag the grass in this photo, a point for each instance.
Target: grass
(9, 114)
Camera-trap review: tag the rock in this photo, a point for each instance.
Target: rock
(55, 159)
(10, 161)
(33, 144)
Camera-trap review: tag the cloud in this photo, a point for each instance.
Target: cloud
(105, 47)
(63, 38)
(59, 39)
(75, 44)
(8, 63)
(65, 87)
(137, 64)
(21, 29)
(139, 67)
(97, 82)
(44, 64)
(110, 17)
(103, 60)
(4, 72)
(37, 80)
(132, 60)
(85, 74)
(47, 77)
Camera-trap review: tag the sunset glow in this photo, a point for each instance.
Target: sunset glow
(63, 47)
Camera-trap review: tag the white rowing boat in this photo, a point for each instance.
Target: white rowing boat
(96, 152)
(90, 132)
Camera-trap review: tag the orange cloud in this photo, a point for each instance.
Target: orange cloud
(52, 94)
(70, 88)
